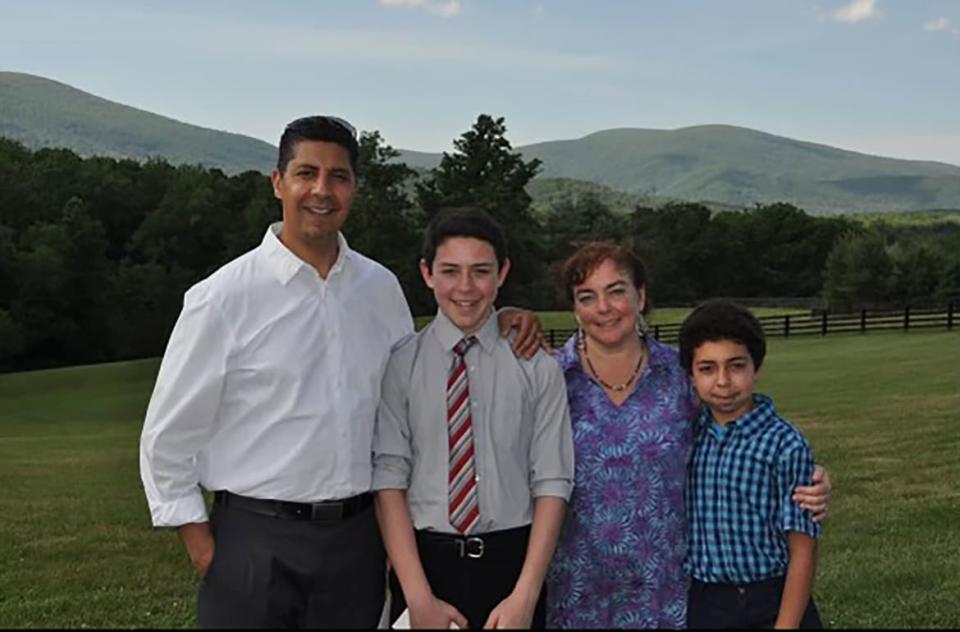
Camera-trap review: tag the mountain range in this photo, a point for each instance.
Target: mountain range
(722, 164)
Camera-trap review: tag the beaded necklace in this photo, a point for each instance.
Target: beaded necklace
(613, 387)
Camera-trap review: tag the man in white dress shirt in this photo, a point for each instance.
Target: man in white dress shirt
(267, 395)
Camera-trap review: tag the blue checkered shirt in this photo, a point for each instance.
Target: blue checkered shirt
(739, 506)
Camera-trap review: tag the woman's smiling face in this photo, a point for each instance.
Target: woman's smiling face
(606, 304)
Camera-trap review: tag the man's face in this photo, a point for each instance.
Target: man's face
(724, 376)
(465, 279)
(316, 190)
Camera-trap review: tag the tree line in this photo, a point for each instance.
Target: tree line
(96, 253)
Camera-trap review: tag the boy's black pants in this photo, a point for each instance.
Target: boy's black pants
(472, 577)
(748, 606)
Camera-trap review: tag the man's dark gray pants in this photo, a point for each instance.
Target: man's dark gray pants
(277, 573)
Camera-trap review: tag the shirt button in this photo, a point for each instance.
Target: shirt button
(741, 590)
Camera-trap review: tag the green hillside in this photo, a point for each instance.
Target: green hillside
(547, 193)
(718, 163)
(39, 112)
(740, 167)
(933, 217)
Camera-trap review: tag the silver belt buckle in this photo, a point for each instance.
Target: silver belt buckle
(476, 552)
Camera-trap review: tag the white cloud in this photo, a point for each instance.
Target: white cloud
(857, 11)
(444, 8)
(941, 25)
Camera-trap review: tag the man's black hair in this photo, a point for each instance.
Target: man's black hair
(721, 319)
(467, 221)
(323, 128)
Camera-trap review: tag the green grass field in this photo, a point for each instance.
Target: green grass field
(881, 411)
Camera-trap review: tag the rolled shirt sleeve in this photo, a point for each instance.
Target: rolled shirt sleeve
(795, 467)
(551, 449)
(392, 454)
(182, 412)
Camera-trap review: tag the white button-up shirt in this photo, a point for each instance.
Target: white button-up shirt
(270, 382)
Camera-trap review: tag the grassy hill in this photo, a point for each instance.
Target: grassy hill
(933, 217)
(39, 112)
(721, 164)
(547, 193)
(740, 167)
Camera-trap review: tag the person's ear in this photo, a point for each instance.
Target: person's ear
(502, 274)
(641, 298)
(275, 177)
(425, 273)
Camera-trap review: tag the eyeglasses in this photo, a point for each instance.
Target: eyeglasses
(330, 120)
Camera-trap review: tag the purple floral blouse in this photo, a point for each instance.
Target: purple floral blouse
(619, 559)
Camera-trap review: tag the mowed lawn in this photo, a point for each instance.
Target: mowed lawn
(881, 411)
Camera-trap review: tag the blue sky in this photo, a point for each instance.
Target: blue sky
(879, 76)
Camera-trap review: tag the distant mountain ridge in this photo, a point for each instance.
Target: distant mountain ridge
(40, 112)
(724, 164)
(739, 166)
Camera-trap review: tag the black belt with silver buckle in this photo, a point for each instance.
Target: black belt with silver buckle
(326, 511)
(476, 546)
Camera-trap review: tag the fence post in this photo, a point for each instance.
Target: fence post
(656, 332)
(950, 316)
(823, 324)
(863, 320)
(906, 318)
(786, 326)
(550, 337)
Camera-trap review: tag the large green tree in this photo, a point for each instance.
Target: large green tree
(858, 273)
(383, 223)
(483, 170)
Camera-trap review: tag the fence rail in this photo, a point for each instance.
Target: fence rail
(822, 324)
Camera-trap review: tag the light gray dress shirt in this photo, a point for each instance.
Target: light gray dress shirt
(523, 440)
(270, 382)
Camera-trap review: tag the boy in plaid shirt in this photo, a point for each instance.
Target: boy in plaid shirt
(752, 551)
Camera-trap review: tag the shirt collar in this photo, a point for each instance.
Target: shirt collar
(449, 334)
(285, 264)
(761, 415)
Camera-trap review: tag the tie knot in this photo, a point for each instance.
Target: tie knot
(464, 345)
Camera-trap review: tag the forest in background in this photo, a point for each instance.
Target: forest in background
(96, 253)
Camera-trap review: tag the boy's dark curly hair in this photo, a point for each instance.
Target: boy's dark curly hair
(721, 319)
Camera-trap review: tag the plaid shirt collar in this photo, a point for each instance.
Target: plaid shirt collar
(760, 416)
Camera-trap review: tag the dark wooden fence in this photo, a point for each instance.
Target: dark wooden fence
(789, 325)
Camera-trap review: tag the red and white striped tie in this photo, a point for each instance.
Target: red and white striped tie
(464, 508)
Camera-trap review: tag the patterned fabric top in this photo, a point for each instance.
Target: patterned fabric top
(739, 495)
(620, 555)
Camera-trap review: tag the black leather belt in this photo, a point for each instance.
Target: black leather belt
(479, 545)
(326, 511)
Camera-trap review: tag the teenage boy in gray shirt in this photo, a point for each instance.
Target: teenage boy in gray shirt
(473, 451)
